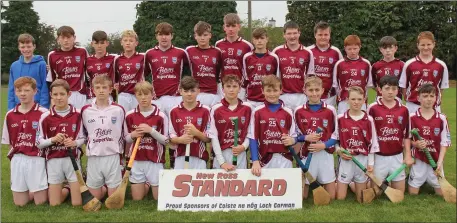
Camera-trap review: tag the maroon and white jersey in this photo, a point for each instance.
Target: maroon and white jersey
(98, 67)
(200, 118)
(267, 128)
(232, 55)
(383, 68)
(308, 121)
(20, 131)
(104, 129)
(52, 123)
(435, 131)
(205, 65)
(128, 71)
(69, 66)
(358, 137)
(417, 73)
(324, 62)
(392, 126)
(293, 67)
(348, 73)
(149, 149)
(222, 126)
(166, 68)
(254, 69)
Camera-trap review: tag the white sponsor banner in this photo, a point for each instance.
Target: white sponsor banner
(218, 190)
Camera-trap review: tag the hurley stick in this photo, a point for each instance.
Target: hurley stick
(449, 192)
(235, 143)
(320, 195)
(90, 203)
(116, 200)
(393, 194)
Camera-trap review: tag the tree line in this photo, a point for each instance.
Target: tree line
(369, 20)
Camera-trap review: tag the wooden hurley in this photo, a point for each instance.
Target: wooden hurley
(90, 203)
(235, 143)
(369, 194)
(320, 195)
(393, 194)
(116, 200)
(449, 192)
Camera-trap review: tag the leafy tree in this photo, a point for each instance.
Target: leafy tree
(275, 34)
(182, 16)
(46, 40)
(373, 20)
(17, 18)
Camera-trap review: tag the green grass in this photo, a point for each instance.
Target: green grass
(422, 208)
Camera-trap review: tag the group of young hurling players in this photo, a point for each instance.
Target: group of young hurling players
(280, 98)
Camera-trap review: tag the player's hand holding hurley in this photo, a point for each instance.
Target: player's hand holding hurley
(313, 137)
(236, 150)
(420, 144)
(342, 155)
(287, 140)
(69, 142)
(186, 139)
(190, 129)
(59, 138)
(144, 129)
(135, 134)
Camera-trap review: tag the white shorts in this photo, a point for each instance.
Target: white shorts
(412, 107)
(228, 155)
(28, 173)
(128, 101)
(293, 100)
(348, 171)
(208, 99)
(241, 94)
(103, 170)
(77, 99)
(343, 106)
(60, 169)
(255, 104)
(194, 163)
(330, 101)
(143, 171)
(420, 173)
(322, 167)
(386, 165)
(278, 161)
(167, 102)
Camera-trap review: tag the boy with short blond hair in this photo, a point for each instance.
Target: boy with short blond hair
(28, 165)
(103, 122)
(310, 117)
(148, 122)
(128, 70)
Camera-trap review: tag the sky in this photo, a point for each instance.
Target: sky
(121, 14)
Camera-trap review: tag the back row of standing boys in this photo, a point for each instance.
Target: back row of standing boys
(272, 110)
